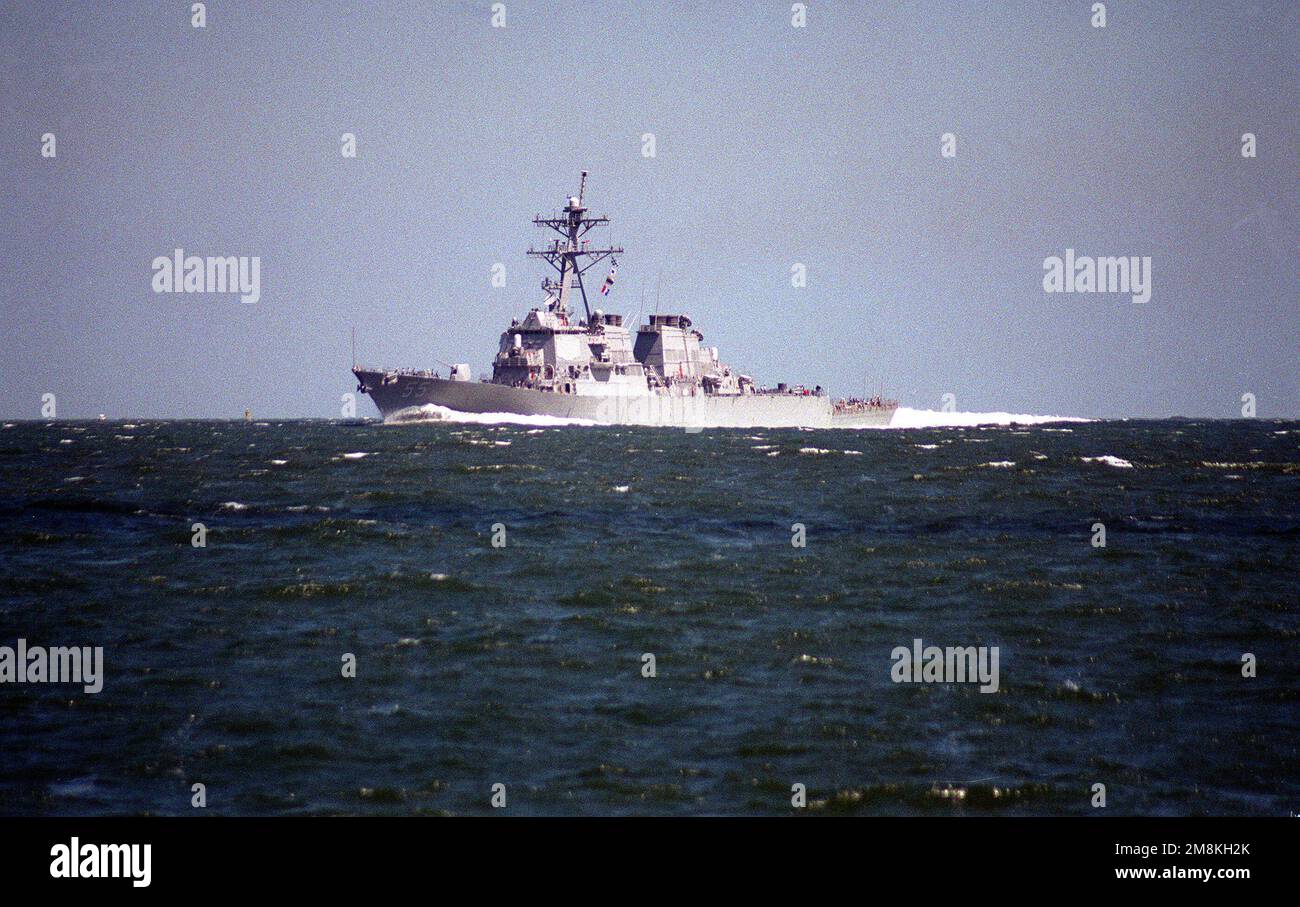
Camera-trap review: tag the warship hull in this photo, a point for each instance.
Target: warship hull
(402, 397)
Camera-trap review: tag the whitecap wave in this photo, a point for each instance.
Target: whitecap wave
(1109, 460)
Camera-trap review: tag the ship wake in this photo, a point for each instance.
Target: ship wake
(432, 412)
(906, 417)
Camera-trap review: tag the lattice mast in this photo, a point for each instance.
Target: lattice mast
(567, 253)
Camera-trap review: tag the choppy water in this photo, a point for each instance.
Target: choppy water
(522, 665)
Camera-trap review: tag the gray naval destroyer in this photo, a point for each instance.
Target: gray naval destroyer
(593, 369)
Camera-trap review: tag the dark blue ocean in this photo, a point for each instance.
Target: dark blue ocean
(522, 665)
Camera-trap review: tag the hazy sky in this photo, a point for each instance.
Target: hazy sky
(774, 145)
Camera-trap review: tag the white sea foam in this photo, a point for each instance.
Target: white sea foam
(356, 455)
(906, 417)
(432, 412)
(233, 505)
(1109, 460)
